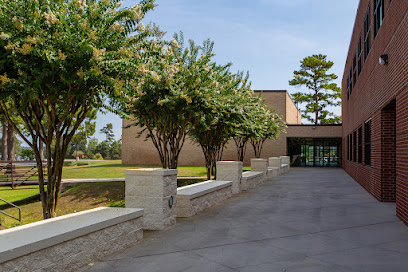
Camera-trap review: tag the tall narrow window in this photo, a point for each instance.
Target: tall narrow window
(367, 33)
(360, 145)
(360, 54)
(354, 69)
(348, 88)
(351, 81)
(351, 147)
(354, 146)
(378, 15)
(367, 143)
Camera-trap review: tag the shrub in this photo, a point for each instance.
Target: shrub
(98, 156)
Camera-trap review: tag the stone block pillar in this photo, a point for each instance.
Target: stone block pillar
(155, 191)
(230, 171)
(260, 165)
(285, 160)
(275, 165)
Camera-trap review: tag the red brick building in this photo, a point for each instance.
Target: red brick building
(375, 102)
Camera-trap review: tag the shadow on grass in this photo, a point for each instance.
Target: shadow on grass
(28, 200)
(97, 192)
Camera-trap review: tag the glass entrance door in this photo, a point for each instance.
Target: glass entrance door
(315, 152)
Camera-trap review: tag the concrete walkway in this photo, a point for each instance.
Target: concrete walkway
(307, 220)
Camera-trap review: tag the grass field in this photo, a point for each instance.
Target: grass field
(114, 169)
(84, 196)
(78, 198)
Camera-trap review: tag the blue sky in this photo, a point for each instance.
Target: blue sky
(268, 38)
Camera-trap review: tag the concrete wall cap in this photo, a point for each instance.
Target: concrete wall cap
(202, 188)
(251, 174)
(229, 162)
(23, 240)
(258, 159)
(151, 172)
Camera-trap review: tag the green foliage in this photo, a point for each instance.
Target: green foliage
(260, 123)
(98, 156)
(171, 85)
(78, 154)
(27, 153)
(59, 60)
(313, 75)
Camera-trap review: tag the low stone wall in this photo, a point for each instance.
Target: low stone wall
(195, 198)
(270, 173)
(252, 180)
(285, 168)
(69, 242)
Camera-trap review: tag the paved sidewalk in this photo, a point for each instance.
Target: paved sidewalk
(308, 220)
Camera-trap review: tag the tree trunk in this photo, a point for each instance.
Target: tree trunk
(41, 149)
(257, 145)
(240, 143)
(10, 144)
(4, 142)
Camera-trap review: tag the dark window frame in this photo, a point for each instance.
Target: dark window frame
(355, 69)
(378, 15)
(360, 54)
(351, 81)
(355, 146)
(360, 145)
(348, 88)
(367, 143)
(367, 33)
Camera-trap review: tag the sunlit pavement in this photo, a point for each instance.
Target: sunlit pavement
(312, 219)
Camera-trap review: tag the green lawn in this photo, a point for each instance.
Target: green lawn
(78, 198)
(114, 169)
(83, 196)
(20, 195)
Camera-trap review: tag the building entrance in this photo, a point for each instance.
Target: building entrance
(315, 152)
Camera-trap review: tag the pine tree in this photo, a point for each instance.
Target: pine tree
(313, 74)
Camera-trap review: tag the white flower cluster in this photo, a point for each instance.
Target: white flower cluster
(4, 36)
(50, 18)
(137, 13)
(141, 27)
(116, 27)
(154, 76)
(174, 44)
(81, 4)
(98, 54)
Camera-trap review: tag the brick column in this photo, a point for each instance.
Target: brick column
(230, 171)
(153, 190)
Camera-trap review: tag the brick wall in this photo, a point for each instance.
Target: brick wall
(402, 156)
(388, 155)
(137, 151)
(368, 176)
(376, 86)
(293, 116)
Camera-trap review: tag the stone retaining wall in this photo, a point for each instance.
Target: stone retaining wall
(195, 198)
(67, 243)
(252, 180)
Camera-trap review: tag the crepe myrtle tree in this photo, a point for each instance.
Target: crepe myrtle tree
(249, 128)
(59, 60)
(269, 126)
(219, 114)
(260, 123)
(170, 84)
